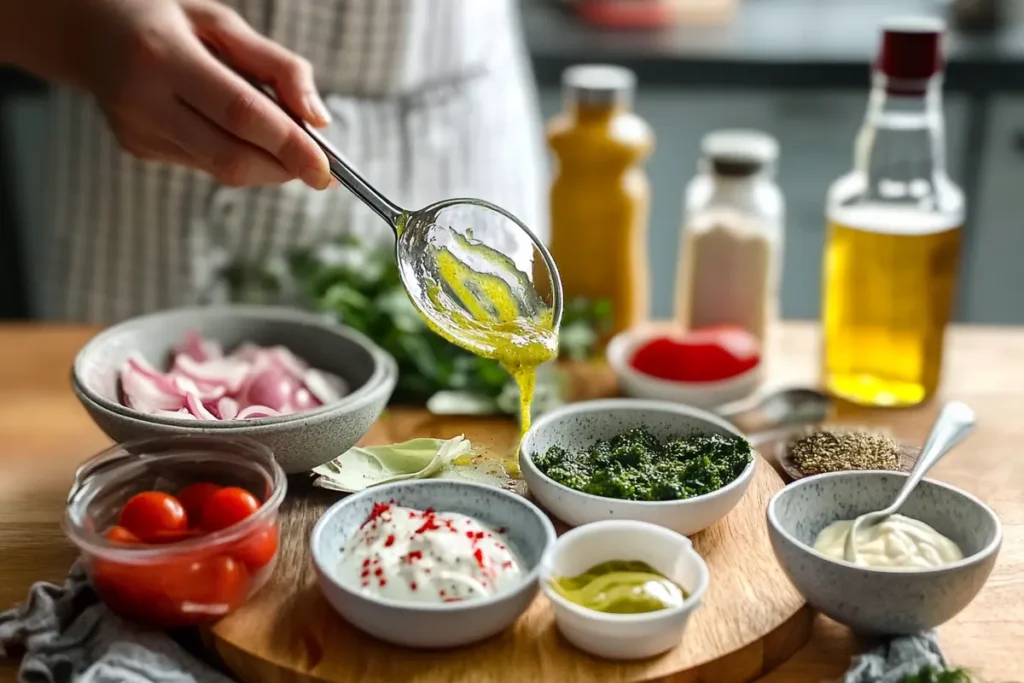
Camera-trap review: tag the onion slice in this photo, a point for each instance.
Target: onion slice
(205, 384)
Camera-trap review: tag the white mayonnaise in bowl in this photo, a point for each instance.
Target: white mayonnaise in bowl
(389, 613)
(882, 600)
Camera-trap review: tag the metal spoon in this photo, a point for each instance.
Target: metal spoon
(484, 237)
(953, 424)
(775, 415)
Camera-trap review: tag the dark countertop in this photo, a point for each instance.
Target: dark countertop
(770, 43)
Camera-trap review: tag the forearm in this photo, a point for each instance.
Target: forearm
(38, 36)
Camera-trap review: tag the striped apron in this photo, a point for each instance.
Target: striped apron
(429, 99)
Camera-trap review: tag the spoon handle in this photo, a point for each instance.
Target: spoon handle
(348, 177)
(340, 168)
(954, 423)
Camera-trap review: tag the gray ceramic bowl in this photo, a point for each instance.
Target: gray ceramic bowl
(528, 531)
(301, 441)
(882, 601)
(578, 425)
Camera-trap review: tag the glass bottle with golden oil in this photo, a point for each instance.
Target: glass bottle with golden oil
(894, 224)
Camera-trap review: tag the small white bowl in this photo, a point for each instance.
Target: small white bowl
(428, 625)
(637, 384)
(624, 636)
(578, 425)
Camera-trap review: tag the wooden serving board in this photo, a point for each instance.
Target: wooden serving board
(751, 621)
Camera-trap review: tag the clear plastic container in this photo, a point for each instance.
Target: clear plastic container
(732, 237)
(188, 582)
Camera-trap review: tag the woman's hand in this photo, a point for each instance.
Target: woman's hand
(167, 97)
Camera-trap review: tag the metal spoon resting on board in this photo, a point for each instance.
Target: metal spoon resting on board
(777, 414)
(484, 238)
(954, 423)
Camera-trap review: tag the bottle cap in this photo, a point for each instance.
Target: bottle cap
(598, 84)
(739, 152)
(911, 48)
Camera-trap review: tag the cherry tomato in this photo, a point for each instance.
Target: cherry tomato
(228, 506)
(704, 355)
(257, 549)
(181, 592)
(193, 498)
(118, 534)
(165, 537)
(150, 513)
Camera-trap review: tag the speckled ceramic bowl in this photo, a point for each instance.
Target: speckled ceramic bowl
(578, 425)
(299, 442)
(882, 601)
(424, 625)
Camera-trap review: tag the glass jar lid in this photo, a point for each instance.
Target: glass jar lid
(737, 152)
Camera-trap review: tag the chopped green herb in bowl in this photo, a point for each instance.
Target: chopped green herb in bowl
(635, 465)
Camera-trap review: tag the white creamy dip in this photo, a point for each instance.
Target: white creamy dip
(426, 556)
(897, 543)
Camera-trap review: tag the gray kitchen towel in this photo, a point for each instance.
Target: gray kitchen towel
(895, 659)
(66, 634)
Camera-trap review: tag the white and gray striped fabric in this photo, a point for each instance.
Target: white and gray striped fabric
(431, 99)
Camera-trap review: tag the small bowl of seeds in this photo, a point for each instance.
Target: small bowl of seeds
(838, 448)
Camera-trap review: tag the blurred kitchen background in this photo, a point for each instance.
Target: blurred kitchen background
(797, 69)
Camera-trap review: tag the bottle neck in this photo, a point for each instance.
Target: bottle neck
(903, 135)
(589, 112)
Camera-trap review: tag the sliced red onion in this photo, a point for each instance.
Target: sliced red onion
(206, 391)
(287, 361)
(256, 411)
(205, 384)
(225, 371)
(140, 365)
(273, 388)
(227, 408)
(198, 348)
(183, 414)
(196, 407)
(320, 384)
(146, 394)
(303, 400)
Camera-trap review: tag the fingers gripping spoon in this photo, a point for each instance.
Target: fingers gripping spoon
(475, 235)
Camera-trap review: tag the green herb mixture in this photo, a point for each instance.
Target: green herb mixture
(635, 465)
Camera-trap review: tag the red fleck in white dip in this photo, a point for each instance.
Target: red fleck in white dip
(426, 556)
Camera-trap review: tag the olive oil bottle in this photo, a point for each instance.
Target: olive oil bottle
(894, 224)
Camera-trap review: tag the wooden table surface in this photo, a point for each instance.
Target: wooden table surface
(44, 434)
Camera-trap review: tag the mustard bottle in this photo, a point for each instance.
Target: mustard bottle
(600, 196)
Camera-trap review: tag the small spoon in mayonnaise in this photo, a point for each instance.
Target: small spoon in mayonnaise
(954, 423)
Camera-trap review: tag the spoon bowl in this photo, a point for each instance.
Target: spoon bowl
(954, 423)
(466, 259)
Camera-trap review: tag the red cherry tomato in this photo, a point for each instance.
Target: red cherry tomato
(193, 498)
(151, 513)
(183, 592)
(228, 506)
(118, 534)
(704, 355)
(165, 537)
(258, 548)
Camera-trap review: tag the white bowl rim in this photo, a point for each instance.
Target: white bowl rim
(625, 341)
(693, 600)
(527, 580)
(973, 559)
(646, 405)
(385, 368)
